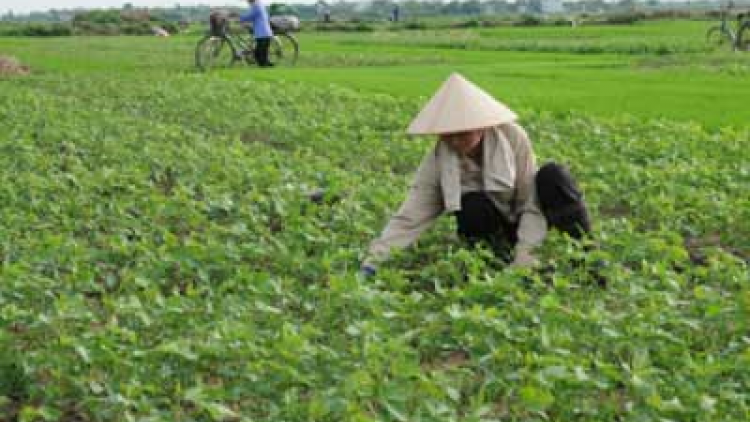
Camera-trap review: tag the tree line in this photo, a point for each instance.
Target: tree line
(376, 9)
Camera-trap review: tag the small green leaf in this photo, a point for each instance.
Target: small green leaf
(536, 398)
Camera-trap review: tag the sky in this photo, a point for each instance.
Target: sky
(25, 6)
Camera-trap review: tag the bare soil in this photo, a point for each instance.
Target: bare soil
(11, 66)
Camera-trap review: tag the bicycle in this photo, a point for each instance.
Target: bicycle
(222, 46)
(723, 33)
(743, 34)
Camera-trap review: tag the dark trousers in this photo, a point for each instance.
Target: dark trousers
(261, 51)
(478, 220)
(561, 201)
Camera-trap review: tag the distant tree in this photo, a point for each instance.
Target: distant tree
(626, 4)
(276, 9)
(98, 17)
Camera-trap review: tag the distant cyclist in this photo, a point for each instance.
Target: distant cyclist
(258, 17)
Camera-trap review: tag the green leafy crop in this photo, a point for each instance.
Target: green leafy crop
(185, 247)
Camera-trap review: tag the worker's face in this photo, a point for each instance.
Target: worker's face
(463, 142)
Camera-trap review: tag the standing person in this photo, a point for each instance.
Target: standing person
(258, 16)
(323, 11)
(482, 170)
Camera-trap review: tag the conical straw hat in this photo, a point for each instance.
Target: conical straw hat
(458, 106)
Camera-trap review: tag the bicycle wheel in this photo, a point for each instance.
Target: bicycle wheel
(718, 36)
(212, 52)
(247, 46)
(743, 38)
(284, 50)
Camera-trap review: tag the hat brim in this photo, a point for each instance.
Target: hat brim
(459, 106)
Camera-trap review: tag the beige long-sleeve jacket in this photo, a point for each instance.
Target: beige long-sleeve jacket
(428, 195)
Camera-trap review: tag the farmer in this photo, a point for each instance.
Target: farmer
(258, 16)
(481, 170)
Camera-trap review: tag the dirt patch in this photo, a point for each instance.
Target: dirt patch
(448, 360)
(698, 246)
(250, 137)
(11, 66)
(615, 210)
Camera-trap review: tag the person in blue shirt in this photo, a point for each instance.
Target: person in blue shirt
(258, 17)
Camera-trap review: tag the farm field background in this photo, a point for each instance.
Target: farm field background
(162, 259)
(654, 70)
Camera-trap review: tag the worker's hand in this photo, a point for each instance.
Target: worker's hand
(524, 258)
(367, 271)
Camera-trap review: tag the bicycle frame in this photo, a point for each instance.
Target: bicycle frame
(725, 25)
(742, 42)
(723, 31)
(240, 44)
